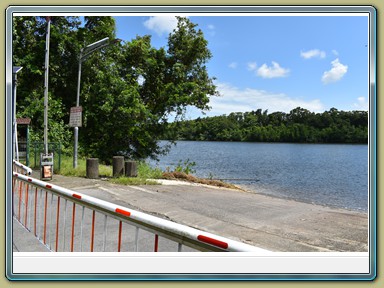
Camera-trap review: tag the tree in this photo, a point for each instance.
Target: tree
(28, 47)
(133, 92)
(128, 91)
(300, 125)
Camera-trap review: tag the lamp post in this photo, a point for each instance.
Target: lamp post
(46, 85)
(46, 158)
(84, 54)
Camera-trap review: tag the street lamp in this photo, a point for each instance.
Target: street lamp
(84, 54)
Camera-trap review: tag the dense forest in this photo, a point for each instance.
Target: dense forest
(299, 126)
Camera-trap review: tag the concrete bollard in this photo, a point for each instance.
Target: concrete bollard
(92, 168)
(118, 166)
(131, 168)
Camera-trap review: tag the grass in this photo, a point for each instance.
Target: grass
(80, 171)
(145, 176)
(133, 181)
(144, 172)
(190, 178)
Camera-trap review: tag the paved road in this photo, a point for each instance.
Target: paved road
(25, 241)
(267, 222)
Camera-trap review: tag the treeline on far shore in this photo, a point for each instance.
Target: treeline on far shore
(298, 126)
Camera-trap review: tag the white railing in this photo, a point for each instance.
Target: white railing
(21, 168)
(39, 207)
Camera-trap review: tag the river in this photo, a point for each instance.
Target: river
(324, 174)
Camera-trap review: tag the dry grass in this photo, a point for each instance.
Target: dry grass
(189, 178)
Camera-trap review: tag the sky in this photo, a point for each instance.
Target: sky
(275, 63)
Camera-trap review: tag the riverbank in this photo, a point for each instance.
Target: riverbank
(267, 222)
(146, 175)
(193, 179)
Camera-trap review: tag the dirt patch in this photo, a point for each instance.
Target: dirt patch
(190, 178)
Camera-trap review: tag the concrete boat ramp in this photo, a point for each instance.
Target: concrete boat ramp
(267, 222)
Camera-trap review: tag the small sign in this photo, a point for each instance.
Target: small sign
(75, 116)
(23, 121)
(47, 172)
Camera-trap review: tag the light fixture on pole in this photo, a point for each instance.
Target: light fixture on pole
(84, 54)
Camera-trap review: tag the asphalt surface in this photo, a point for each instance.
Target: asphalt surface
(263, 221)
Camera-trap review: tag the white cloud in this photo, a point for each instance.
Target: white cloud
(161, 24)
(313, 53)
(273, 71)
(211, 30)
(234, 99)
(233, 65)
(362, 104)
(252, 66)
(334, 52)
(337, 72)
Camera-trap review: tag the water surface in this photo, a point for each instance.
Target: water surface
(325, 174)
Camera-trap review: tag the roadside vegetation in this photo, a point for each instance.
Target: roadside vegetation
(80, 171)
(144, 170)
(146, 174)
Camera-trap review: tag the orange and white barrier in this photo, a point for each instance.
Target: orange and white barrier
(21, 168)
(39, 203)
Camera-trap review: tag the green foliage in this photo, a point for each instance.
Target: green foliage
(185, 166)
(144, 170)
(128, 90)
(300, 125)
(80, 171)
(133, 181)
(145, 176)
(29, 52)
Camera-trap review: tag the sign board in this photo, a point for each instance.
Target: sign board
(23, 121)
(75, 116)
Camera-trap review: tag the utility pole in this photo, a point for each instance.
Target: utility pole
(46, 85)
(15, 149)
(46, 159)
(84, 54)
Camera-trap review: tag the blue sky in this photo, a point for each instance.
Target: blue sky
(275, 62)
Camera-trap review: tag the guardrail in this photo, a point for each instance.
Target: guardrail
(39, 207)
(21, 168)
